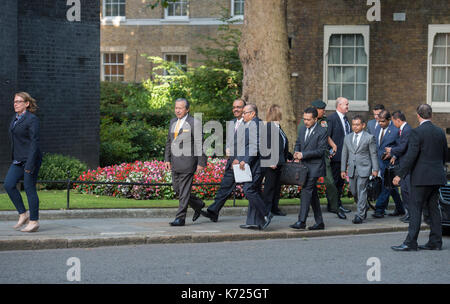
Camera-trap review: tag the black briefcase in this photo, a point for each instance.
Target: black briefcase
(374, 188)
(389, 173)
(293, 173)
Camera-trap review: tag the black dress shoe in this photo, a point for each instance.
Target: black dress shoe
(429, 247)
(177, 222)
(396, 213)
(357, 220)
(213, 217)
(196, 216)
(345, 210)
(341, 215)
(267, 220)
(377, 215)
(405, 219)
(254, 227)
(298, 225)
(197, 213)
(278, 212)
(403, 247)
(320, 226)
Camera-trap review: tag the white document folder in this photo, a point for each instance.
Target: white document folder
(242, 176)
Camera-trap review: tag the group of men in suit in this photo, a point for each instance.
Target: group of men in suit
(388, 140)
(184, 165)
(419, 156)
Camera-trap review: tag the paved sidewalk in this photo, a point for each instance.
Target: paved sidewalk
(111, 227)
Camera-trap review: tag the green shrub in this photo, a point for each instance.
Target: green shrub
(129, 141)
(56, 167)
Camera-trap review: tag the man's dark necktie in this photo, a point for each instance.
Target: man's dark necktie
(347, 125)
(308, 131)
(355, 141)
(382, 135)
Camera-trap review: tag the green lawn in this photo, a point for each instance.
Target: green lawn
(57, 199)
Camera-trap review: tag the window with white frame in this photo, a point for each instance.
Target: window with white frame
(114, 8)
(346, 66)
(113, 67)
(177, 9)
(237, 7)
(439, 67)
(179, 59)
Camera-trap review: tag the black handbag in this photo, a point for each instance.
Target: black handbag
(293, 173)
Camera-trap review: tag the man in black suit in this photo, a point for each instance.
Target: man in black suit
(184, 156)
(228, 183)
(310, 148)
(425, 159)
(259, 215)
(397, 152)
(373, 123)
(338, 127)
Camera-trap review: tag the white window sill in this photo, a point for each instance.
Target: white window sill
(237, 18)
(440, 107)
(175, 19)
(354, 106)
(113, 20)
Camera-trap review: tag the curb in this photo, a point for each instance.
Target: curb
(90, 242)
(139, 212)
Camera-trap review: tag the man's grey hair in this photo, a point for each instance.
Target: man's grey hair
(253, 107)
(425, 111)
(339, 100)
(186, 103)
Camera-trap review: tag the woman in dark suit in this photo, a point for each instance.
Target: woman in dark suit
(272, 185)
(27, 158)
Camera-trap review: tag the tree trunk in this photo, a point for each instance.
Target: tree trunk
(263, 51)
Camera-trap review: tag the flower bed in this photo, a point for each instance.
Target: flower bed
(155, 172)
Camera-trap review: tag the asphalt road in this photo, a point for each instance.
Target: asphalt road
(342, 259)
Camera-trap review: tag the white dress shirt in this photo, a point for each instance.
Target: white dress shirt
(341, 116)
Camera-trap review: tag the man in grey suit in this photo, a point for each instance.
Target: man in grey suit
(310, 148)
(359, 159)
(184, 156)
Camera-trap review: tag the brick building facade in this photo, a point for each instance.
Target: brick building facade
(400, 61)
(401, 51)
(133, 29)
(57, 62)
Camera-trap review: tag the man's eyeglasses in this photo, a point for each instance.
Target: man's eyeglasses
(247, 112)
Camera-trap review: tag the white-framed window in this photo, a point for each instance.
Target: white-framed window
(113, 67)
(113, 8)
(178, 58)
(177, 9)
(237, 8)
(346, 66)
(438, 78)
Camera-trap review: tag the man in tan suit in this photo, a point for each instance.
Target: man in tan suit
(184, 156)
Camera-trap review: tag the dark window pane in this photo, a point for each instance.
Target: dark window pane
(335, 40)
(438, 93)
(348, 40)
(348, 55)
(348, 91)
